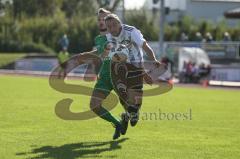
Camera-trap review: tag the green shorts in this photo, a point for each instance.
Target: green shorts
(104, 84)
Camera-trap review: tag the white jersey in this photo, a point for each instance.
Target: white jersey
(133, 39)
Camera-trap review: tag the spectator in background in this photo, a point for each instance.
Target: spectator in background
(184, 37)
(195, 73)
(226, 37)
(208, 69)
(189, 68)
(198, 37)
(185, 66)
(64, 42)
(202, 69)
(194, 68)
(183, 73)
(63, 56)
(208, 37)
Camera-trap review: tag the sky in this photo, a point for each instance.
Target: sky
(134, 4)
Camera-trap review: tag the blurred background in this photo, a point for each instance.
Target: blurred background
(198, 39)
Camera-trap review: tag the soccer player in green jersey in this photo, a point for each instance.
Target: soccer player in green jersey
(104, 85)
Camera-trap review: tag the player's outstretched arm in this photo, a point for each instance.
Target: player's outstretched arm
(94, 52)
(149, 52)
(79, 55)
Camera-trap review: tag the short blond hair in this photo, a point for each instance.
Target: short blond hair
(111, 17)
(103, 11)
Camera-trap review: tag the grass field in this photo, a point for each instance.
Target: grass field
(29, 127)
(6, 58)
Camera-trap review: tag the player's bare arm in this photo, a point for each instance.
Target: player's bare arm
(149, 52)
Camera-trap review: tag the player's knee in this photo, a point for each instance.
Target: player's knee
(95, 104)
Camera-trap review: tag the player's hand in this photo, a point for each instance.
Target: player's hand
(106, 50)
(108, 47)
(157, 63)
(148, 79)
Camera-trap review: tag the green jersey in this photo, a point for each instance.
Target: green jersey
(100, 43)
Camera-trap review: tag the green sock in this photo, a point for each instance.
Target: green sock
(106, 115)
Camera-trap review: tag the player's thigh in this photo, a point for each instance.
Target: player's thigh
(100, 92)
(97, 98)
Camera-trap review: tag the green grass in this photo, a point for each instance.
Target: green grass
(10, 57)
(29, 127)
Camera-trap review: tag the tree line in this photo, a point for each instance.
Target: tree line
(37, 25)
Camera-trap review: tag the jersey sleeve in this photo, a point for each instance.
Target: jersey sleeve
(137, 37)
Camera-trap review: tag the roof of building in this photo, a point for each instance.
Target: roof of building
(234, 13)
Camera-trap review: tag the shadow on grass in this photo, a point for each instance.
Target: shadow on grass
(76, 150)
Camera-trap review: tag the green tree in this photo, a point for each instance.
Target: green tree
(109, 4)
(143, 23)
(80, 8)
(32, 8)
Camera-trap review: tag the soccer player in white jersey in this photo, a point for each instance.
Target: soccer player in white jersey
(119, 33)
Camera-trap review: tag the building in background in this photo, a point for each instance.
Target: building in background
(198, 9)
